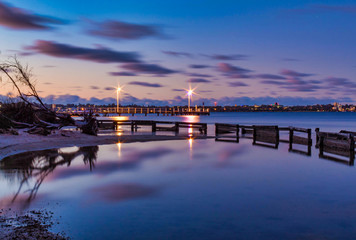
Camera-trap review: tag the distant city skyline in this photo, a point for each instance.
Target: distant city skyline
(233, 52)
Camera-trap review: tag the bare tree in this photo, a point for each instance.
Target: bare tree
(31, 112)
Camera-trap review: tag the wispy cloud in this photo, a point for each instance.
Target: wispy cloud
(290, 60)
(178, 54)
(178, 90)
(237, 84)
(101, 55)
(228, 68)
(270, 76)
(337, 82)
(148, 69)
(120, 30)
(198, 80)
(274, 82)
(226, 57)
(198, 75)
(198, 66)
(109, 89)
(232, 71)
(292, 81)
(145, 84)
(123, 74)
(291, 73)
(17, 18)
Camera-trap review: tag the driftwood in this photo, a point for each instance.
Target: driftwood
(30, 111)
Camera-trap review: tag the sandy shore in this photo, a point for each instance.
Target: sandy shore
(13, 144)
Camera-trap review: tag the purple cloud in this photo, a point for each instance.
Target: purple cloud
(101, 55)
(226, 57)
(290, 60)
(273, 82)
(146, 84)
(198, 75)
(16, 18)
(178, 90)
(302, 88)
(148, 68)
(109, 88)
(270, 76)
(178, 54)
(230, 69)
(291, 73)
(123, 74)
(122, 30)
(198, 80)
(340, 82)
(94, 87)
(199, 66)
(237, 84)
(294, 82)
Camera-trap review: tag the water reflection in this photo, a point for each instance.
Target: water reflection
(191, 119)
(117, 192)
(271, 140)
(190, 140)
(119, 118)
(340, 156)
(118, 149)
(155, 188)
(39, 165)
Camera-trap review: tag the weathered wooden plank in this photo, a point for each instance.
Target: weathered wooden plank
(301, 140)
(304, 130)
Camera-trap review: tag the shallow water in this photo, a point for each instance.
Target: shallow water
(326, 121)
(187, 189)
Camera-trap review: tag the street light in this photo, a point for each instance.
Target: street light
(190, 93)
(118, 90)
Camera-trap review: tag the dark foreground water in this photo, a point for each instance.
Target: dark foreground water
(187, 189)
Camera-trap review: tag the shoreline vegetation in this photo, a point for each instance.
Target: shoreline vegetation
(26, 110)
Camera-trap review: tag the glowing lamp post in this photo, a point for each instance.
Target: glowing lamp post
(190, 93)
(118, 90)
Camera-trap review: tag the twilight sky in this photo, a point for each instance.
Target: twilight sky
(233, 52)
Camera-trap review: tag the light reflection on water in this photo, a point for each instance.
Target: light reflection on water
(326, 121)
(191, 189)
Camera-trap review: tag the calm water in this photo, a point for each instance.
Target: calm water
(326, 121)
(191, 189)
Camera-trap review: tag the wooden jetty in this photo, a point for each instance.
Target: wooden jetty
(341, 144)
(227, 132)
(294, 139)
(164, 111)
(155, 125)
(267, 136)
